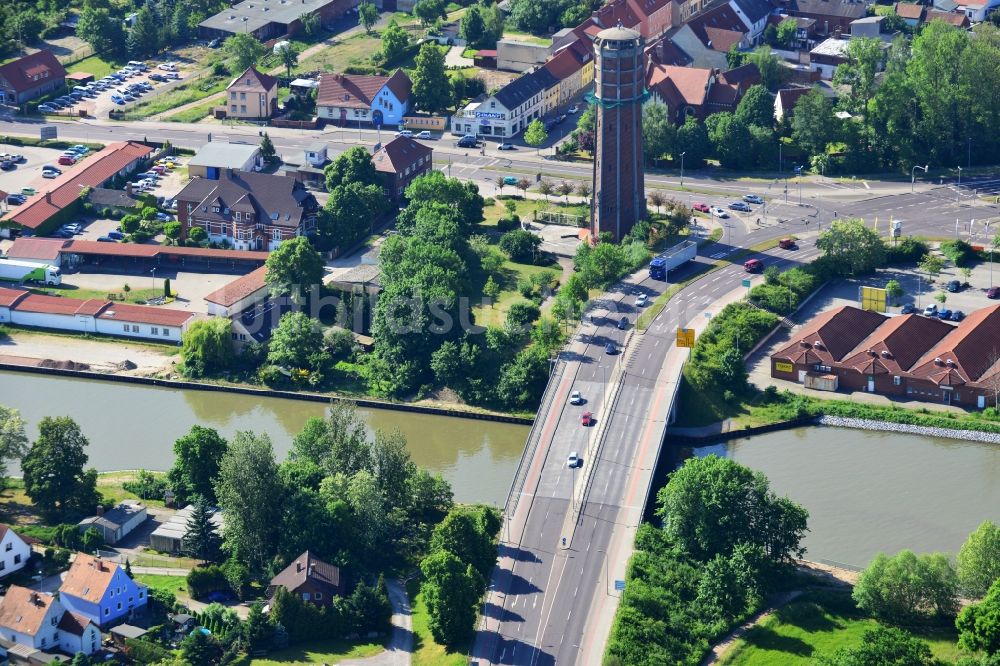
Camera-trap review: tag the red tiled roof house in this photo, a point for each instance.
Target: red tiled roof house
(30, 77)
(252, 95)
(349, 99)
(399, 162)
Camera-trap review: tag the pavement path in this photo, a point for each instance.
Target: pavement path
(723, 646)
(399, 650)
(454, 58)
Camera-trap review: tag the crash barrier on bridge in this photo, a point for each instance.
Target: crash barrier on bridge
(521, 474)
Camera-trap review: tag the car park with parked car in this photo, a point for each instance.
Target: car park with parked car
(753, 198)
(701, 208)
(719, 213)
(740, 206)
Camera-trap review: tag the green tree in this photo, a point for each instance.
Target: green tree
(13, 440)
(247, 488)
(267, 149)
(813, 122)
(80, 659)
(883, 646)
(395, 41)
(289, 57)
(431, 92)
(295, 340)
(293, 268)
(852, 246)
(473, 28)
(699, 507)
(658, 133)
(197, 456)
(200, 538)
(772, 71)
(354, 165)
(429, 11)
(434, 187)
(256, 630)
(491, 289)
(735, 58)
(864, 59)
(172, 230)
(207, 347)
(469, 533)
(244, 50)
(520, 245)
(535, 134)
(692, 139)
(368, 15)
(311, 24)
(979, 560)
(451, 591)
(756, 107)
(730, 138)
(931, 264)
(906, 587)
(786, 33)
(979, 624)
(53, 468)
(349, 214)
(100, 30)
(144, 36)
(893, 290)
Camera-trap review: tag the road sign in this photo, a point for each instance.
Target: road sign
(685, 337)
(619, 585)
(745, 282)
(47, 132)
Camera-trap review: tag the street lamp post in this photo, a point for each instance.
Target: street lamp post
(913, 175)
(682, 168)
(958, 190)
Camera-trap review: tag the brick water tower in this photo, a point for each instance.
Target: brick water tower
(619, 91)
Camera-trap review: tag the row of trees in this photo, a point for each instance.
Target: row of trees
(26, 22)
(155, 26)
(542, 18)
(726, 542)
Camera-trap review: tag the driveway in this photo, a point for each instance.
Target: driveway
(454, 58)
(399, 650)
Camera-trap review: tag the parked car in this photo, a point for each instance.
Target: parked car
(753, 266)
(957, 315)
(28, 191)
(425, 134)
(740, 206)
(116, 235)
(118, 99)
(753, 198)
(157, 77)
(640, 300)
(105, 239)
(406, 132)
(574, 458)
(510, 180)
(907, 309)
(66, 160)
(944, 314)
(49, 174)
(573, 109)
(45, 108)
(15, 199)
(993, 292)
(73, 227)
(167, 67)
(163, 217)
(49, 167)
(718, 212)
(468, 141)
(214, 44)
(953, 286)
(505, 146)
(701, 208)
(80, 149)
(930, 310)
(576, 398)
(6, 165)
(159, 168)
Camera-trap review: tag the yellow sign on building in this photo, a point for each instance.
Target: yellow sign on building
(685, 337)
(783, 366)
(873, 298)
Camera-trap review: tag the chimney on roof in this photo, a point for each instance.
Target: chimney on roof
(298, 567)
(34, 597)
(100, 510)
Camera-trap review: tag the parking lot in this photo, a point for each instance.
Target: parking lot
(120, 90)
(29, 172)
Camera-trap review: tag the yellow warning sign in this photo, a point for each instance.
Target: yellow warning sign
(873, 298)
(685, 337)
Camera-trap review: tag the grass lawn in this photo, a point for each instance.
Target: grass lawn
(526, 37)
(316, 652)
(182, 94)
(177, 585)
(355, 50)
(815, 625)
(195, 113)
(526, 208)
(69, 291)
(93, 65)
(511, 273)
(16, 506)
(425, 651)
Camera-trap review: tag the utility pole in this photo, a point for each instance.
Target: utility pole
(913, 175)
(958, 190)
(682, 168)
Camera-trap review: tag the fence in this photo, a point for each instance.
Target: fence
(565, 219)
(148, 560)
(78, 54)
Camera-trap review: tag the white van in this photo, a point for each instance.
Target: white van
(135, 64)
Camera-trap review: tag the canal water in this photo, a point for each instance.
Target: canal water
(868, 492)
(134, 427)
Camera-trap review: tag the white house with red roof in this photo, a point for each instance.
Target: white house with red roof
(23, 308)
(40, 622)
(30, 77)
(14, 551)
(351, 99)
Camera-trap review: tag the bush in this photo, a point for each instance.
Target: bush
(203, 581)
(908, 250)
(958, 251)
(505, 224)
(908, 587)
(146, 485)
(141, 651)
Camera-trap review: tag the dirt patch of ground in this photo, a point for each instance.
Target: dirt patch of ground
(63, 351)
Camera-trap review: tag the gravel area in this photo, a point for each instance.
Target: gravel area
(866, 424)
(99, 354)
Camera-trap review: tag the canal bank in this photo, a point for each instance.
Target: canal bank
(134, 426)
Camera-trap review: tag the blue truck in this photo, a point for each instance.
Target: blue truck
(665, 262)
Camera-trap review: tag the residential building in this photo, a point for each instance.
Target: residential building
(754, 14)
(245, 301)
(310, 579)
(957, 19)
(100, 590)
(248, 211)
(41, 212)
(510, 109)
(269, 19)
(698, 92)
(870, 27)
(30, 77)
(252, 96)
(913, 15)
(169, 536)
(23, 308)
(30, 618)
(921, 358)
(399, 162)
(117, 523)
(348, 99)
(215, 157)
(707, 37)
(311, 171)
(832, 16)
(827, 56)
(650, 18)
(977, 10)
(572, 67)
(78, 633)
(785, 101)
(14, 551)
